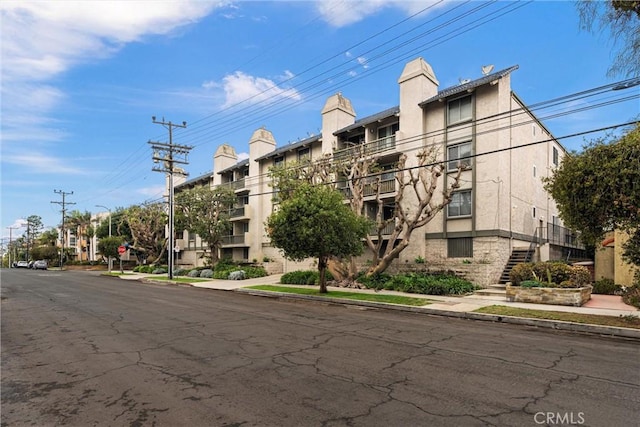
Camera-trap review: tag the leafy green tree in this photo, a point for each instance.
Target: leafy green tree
(622, 19)
(205, 211)
(598, 190)
(33, 229)
(147, 226)
(49, 238)
(49, 253)
(315, 222)
(108, 246)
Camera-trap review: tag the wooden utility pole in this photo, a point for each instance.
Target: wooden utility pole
(168, 155)
(64, 211)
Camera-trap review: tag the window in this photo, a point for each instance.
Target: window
(243, 200)
(387, 136)
(459, 110)
(534, 171)
(460, 247)
(304, 153)
(278, 161)
(533, 212)
(456, 152)
(555, 156)
(460, 204)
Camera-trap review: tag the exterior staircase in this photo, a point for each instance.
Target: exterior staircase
(517, 256)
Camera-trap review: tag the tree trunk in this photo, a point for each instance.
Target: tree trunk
(214, 255)
(322, 269)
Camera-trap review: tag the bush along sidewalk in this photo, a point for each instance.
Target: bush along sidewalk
(415, 283)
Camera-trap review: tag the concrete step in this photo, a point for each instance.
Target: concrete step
(491, 292)
(500, 286)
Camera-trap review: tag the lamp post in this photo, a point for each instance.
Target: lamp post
(109, 210)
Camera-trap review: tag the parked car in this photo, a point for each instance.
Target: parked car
(40, 265)
(22, 264)
(30, 265)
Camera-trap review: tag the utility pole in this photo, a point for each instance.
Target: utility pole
(64, 211)
(168, 155)
(11, 241)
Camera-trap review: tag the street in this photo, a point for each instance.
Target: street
(79, 349)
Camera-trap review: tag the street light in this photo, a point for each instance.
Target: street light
(109, 210)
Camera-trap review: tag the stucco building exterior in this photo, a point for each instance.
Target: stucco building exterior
(500, 207)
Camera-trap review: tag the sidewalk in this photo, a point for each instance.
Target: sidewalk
(453, 306)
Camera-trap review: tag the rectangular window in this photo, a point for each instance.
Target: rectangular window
(460, 247)
(534, 171)
(278, 161)
(456, 152)
(555, 156)
(459, 110)
(533, 212)
(387, 136)
(460, 204)
(304, 153)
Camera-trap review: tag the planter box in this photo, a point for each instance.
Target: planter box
(556, 296)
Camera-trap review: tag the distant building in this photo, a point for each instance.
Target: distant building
(500, 208)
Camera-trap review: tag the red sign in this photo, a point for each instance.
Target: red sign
(121, 250)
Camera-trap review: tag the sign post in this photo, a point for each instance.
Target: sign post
(121, 250)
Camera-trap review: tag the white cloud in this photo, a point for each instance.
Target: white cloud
(340, 13)
(42, 164)
(42, 39)
(243, 156)
(152, 191)
(243, 88)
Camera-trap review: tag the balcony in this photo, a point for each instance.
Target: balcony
(236, 240)
(560, 236)
(234, 185)
(370, 148)
(387, 185)
(386, 231)
(240, 212)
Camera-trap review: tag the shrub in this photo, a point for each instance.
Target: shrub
(237, 275)
(206, 273)
(631, 296)
(194, 273)
(530, 284)
(303, 277)
(606, 287)
(159, 270)
(550, 274)
(180, 271)
(420, 283)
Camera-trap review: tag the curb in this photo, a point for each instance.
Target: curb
(543, 323)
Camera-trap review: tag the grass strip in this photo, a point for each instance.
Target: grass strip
(177, 279)
(392, 299)
(591, 319)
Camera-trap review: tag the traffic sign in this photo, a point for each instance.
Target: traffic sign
(121, 249)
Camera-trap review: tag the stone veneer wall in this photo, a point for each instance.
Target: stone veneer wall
(558, 296)
(490, 255)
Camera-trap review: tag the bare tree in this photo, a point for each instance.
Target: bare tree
(416, 202)
(622, 20)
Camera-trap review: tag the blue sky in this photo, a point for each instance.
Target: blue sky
(81, 80)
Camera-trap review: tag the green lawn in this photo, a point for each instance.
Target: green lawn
(393, 299)
(592, 319)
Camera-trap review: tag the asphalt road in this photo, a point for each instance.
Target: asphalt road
(83, 350)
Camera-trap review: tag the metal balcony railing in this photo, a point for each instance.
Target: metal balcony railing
(387, 230)
(372, 147)
(234, 185)
(236, 212)
(560, 236)
(387, 185)
(235, 239)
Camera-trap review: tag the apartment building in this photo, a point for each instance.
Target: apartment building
(500, 209)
